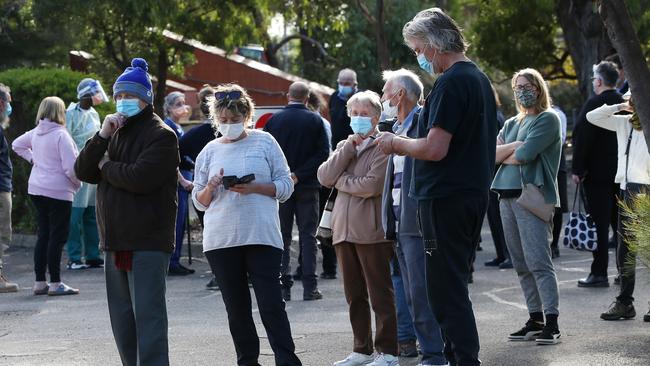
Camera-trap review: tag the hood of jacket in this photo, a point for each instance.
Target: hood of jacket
(46, 126)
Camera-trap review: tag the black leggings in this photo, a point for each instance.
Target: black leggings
(53, 220)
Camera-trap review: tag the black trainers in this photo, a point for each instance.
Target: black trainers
(77, 265)
(190, 270)
(618, 310)
(646, 317)
(314, 295)
(178, 271)
(95, 263)
(550, 335)
(212, 285)
(529, 332)
(408, 349)
(494, 262)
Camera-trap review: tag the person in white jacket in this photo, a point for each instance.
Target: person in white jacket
(633, 175)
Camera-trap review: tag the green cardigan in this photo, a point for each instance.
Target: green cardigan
(539, 155)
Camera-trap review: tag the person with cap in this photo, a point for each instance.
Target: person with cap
(134, 159)
(6, 171)
(347, 87)
(82, 121)
(176, 110)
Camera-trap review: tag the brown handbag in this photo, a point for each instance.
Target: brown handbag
(532, 200)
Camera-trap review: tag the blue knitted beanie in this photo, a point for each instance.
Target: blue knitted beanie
(136, 81)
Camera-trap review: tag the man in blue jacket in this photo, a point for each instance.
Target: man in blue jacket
(6, 171)
(302, 137)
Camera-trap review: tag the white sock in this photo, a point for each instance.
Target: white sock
(54, 285)
(39, 285)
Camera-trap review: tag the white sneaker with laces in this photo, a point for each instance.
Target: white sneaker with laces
(384, 359)
(355, 359)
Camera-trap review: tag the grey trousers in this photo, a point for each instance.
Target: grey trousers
(410, 255)
(5, 223)
(528, 238)
(137, 308)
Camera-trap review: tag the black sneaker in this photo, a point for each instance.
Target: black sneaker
(190, 270)
(646, 317)
(529, 332)
(314, 295)
(213, 285)
(506, 264)
(408, 349)
(555, 252)
(550, 335)
(77, 265)
(328, 276)
(618, 310)
(178, 271)
(494, 262)
(95, 263)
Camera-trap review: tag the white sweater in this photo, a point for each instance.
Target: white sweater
(638, 170)
(234, 219)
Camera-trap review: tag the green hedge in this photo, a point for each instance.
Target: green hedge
(28, 88)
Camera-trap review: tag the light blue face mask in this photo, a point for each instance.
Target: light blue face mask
(424, 63)
(345, 90)
(8, 109)
(361, 125)
(128, 107)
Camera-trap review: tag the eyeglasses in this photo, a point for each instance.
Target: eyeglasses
(233, 95)
(527, 87)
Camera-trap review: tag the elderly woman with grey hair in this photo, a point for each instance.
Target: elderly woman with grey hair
(357, 169)
(176, 111)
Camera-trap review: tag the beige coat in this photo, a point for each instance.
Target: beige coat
(359, 178)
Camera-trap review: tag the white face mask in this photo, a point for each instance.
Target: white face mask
(231, 131)
(389, 111)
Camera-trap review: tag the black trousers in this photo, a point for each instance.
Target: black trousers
(625, 258)
(260, 263)
(450, 228)
(601, 204)
(53, 221)
(557, 216)
(304, 205)
(326, 247)
(496, 226)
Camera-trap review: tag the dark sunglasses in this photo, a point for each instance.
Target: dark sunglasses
(233, 95)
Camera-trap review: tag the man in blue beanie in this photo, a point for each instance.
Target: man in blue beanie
(133, 160)
(82, 121)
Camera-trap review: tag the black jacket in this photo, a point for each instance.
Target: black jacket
(301, 135)
(136, 192)
(194, 140)
(339, 119)
(6, 169)
(595, 153)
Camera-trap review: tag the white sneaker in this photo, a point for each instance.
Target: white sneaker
(384, 359)
(355, 359)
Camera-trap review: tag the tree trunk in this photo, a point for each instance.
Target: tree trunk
(621, 31)
(161, 75)
(383, 55)
(585, 37)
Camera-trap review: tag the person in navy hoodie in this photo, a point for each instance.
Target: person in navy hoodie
(303, 140)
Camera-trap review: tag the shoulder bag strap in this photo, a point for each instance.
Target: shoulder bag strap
(627, 152)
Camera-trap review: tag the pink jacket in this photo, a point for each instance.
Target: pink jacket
(52, 152)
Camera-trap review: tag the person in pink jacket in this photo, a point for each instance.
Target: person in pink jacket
(52, 184)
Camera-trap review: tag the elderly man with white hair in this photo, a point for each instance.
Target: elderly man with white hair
(454, 155)
(347, 87)
(401, 93)
(357, 169)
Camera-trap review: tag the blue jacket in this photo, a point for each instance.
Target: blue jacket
(6, 169)
(303, 140)
(408, 206)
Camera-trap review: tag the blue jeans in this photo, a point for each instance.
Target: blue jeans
(83, 234)
(410, 255)
(405, 330)
(181, 216)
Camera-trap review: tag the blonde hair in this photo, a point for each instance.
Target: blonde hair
(369, 98)
(243, 106)
(53, 109)
(543, 102)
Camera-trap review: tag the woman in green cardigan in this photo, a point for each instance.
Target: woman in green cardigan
(528, 149)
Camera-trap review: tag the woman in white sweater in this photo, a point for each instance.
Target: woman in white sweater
(241, 235)
(633, 175)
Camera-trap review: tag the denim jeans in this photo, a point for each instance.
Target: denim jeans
(181, 220)
(405, 330)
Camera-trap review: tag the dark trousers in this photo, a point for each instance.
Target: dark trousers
(625, 258)
(53, 221)
(304, 205)
(366, 276)
(137, 308)
(181, 219)
(496, 227)
(450, 228)
(601, 205)
(261, 263)
(326, 248)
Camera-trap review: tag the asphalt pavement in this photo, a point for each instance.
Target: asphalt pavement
(75, 330)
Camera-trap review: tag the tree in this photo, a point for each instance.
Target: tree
(621, 30)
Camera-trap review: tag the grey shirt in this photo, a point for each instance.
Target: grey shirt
(234, 219)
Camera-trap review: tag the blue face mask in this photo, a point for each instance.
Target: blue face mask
(361, 125)
(424, 63)
(345, 90)
(128, 107)
(8, 109)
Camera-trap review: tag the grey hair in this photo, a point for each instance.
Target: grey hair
(369, 98)
(4, 92)
(407, 80)
(170, 100)
(349, 72)
(436, 29)
(607, 71)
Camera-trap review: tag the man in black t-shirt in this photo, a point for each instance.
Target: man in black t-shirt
(455, 156)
